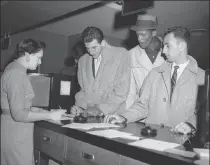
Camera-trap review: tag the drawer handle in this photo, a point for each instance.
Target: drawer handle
(45, 138)
(87, 156)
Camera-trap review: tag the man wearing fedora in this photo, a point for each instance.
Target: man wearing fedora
(145, 56)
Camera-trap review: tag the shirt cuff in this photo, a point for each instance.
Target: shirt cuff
(125, 119)
(193, 129)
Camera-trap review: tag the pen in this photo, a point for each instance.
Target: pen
(65, 114)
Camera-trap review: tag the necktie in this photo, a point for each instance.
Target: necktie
(93, 67)
(173, 79)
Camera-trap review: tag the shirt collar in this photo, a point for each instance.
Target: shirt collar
(98, 59)
(192, 66)
(180, 65)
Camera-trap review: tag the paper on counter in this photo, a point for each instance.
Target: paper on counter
(111, 133)
(154, 144)
(88, 126)
(202, 152)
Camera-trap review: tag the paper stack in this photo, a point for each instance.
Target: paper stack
(202, 152)
(110, 133)
(154, 144)
(88, 126)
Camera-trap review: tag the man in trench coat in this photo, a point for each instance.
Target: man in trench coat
(103, 75)
(165, 100)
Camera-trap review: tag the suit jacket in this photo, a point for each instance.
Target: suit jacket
(140, 67)
(109, 89)
(154, 101)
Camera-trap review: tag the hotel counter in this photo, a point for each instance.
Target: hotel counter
(68, 146)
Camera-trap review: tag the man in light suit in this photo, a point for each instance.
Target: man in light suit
(169, 93)
(145, 56)
(103, 75)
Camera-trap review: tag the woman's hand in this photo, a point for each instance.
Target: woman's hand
(57, 114)
(36, 109)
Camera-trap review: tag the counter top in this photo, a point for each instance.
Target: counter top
(121, 146)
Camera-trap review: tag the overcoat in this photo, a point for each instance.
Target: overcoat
(140, 67)
(154, 101)
(109, 89)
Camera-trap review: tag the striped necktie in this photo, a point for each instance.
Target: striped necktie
(173, 79)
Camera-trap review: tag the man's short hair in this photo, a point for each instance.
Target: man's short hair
(91, 33)
(179, 32)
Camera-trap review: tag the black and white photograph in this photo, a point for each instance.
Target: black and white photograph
(122, 82)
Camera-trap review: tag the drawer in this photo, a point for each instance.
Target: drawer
(126, 161)
(49, 142)
(82, 153)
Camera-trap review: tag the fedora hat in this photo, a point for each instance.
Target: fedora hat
(145, 22)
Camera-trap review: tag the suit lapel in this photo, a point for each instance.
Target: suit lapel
(167, 81)
(184, 77)
(104, 59)
(158, 61)
(89, 69)
(143, 59)
(166, 75)
(188, 72)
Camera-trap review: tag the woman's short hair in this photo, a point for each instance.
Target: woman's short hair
(28, 45)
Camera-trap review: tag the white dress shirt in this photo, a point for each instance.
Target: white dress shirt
(180, 69)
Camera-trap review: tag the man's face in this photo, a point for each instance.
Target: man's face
(144, 37)
(35, 60)
(171, 48)
(94, 48)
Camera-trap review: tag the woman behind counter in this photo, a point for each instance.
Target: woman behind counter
(18, 114)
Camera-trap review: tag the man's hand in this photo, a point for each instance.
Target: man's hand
(182, 128)
(75, 110)
(114, 119)
(93, 111)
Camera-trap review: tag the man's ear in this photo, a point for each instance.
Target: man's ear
(182, 45)
(103, 43)
(27, 55)
(154, 32)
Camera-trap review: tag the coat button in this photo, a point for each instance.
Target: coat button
(164, 99)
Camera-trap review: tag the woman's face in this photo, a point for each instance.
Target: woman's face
(35, 59)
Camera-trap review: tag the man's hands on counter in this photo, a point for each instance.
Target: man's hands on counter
(90, 111)
(75, 110)
(114, 119)
(182, 128)
(93, 111)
